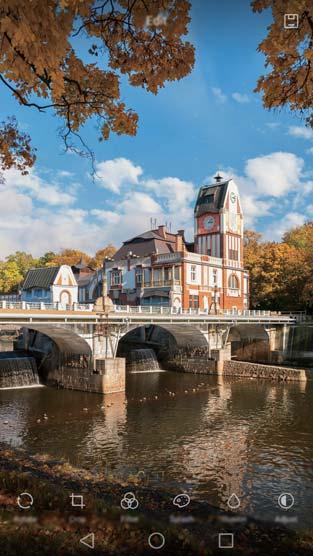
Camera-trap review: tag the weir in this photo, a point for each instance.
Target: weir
(17, 371)
(142, 361)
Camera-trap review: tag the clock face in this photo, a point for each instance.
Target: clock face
(209, 222)
(232, 197)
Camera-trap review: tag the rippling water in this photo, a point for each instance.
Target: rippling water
(214, 437)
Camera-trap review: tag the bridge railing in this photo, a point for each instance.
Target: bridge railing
(148, 309)
(41, 306)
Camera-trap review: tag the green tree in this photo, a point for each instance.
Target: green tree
(46, 259)
(24, 261)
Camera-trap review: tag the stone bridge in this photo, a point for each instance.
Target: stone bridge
(250, 334)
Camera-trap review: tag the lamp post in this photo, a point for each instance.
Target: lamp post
(103, 307)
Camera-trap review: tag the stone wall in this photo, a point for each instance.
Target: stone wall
(195, 365)
(257, 370)
(107, 378)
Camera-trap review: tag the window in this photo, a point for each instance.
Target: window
(193, 273)
(38, 292)
(147, 276)
(214, 276)
(233, 282)
(116, 278)
(139, 276)
(233, 254)
(167, 274)
(193, 302)
(157, 276)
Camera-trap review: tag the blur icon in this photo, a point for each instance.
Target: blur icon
(233, 502)
(181, 500)
(286, 501)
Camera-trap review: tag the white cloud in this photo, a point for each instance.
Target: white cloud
(310, 150)
(113, 174)
(300, 131)
(38, 188)
(219, 95)
(275, 174)
(242, 98)
(106, 216)
(177, 193)
(277, 228)
(273, 125)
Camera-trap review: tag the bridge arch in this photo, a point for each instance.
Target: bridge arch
(165, 339)
(249, 342)
(55, 347)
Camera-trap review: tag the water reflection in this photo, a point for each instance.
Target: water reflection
(212, 436)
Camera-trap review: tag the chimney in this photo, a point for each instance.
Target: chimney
(180, 240)
(162, 231)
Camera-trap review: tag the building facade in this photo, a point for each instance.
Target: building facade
(50, 285)
(159, 267)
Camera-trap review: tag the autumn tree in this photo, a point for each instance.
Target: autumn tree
(10, 277)
(70, 257)
(97, 260)
(69, 56)
(15, 148)
(289, 57)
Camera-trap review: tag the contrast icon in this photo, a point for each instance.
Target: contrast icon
(25, 501)
(181, 500)
(77, 501)
(156, 540)
(129, 501)
(88, 540)
(286, 501)
(226, 540)
(233, 502)
(291, 21)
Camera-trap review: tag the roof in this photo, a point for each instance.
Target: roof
(147, 243)
(211, 197)
(66, 340)
(40, 277)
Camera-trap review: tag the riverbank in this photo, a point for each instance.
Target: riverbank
(53, 527)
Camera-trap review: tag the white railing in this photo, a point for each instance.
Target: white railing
(41, 306)
(168, 257)
(147, 309)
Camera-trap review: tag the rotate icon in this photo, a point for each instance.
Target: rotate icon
(25, 501)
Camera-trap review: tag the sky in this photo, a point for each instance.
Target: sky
(209, 121)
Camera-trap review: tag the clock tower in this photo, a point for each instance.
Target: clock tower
(219, 221)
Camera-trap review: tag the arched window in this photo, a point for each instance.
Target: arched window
(233, 282)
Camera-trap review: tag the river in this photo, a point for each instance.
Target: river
(210, 436)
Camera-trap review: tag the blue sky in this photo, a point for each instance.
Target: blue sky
(210, 120)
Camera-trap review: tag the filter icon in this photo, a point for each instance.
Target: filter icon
(233, 502)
